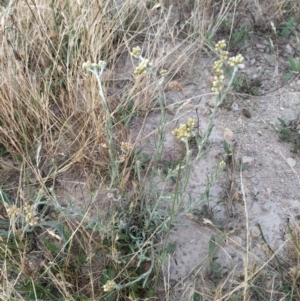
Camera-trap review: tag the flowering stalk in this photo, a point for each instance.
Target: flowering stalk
(185, 131)
(218, 86)
(97, 70)
(144, 67)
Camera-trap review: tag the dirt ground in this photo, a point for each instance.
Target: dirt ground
(269, 184)
(264, 195)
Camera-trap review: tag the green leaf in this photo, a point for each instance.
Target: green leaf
(170, 248)
(4, 198)
(287, 77)
(292, 63)
(212, 246)
(62, 230)
(234, 297)
(19, 158)
(150, 293)
(53, 248)
(3, 150)
(196, 297)
(226, 147)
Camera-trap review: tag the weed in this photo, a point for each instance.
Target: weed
(287, 28)
(244, 84)
(294, 69)
(238, 37)
(290, 133)
(216, 270)
(126, 113)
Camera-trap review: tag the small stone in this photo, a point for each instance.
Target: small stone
(289, 49)
(255, 191)
(267, 193)
(259, 133)
(282, 108)
(247, 160)
(255, 233)
(260, 46)
(212, 102)
(236, 240)
(291, 162)
(246, 113)
(254, 181)
(235, 107)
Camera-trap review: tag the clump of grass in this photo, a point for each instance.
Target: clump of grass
(290, 133)
(57, 119)
(245, 85)
(294, 69)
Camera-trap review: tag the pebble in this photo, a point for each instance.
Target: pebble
(260, 46)
(246, 113)
(255, 233)
(212, 102)
(236, 240)
(235, 107)
(259, 133)
(291, 162)
(255, 191)
(247, 160)
(289, 49)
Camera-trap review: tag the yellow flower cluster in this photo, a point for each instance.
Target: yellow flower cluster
(185, 131)
(222, 164)
(220, 45)
(224, 55)
(28, 213)
(136, 52)
(30, 217)
(126, 147)
(88, 65)
(235, 60)
(218, 82)
(142, 67)
(217, 85)
(109, 286)
(163, 73)
(217, 68)
(13, 211)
